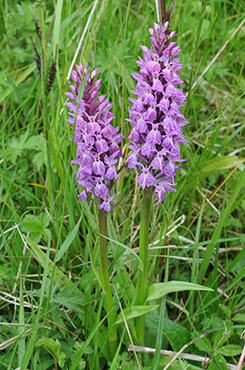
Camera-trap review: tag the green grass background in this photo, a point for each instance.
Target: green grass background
(52, 309)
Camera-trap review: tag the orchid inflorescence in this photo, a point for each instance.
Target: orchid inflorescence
(97, 140)
(155, 117)
(155, 114)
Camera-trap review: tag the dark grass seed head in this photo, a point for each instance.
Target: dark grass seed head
(52, 73)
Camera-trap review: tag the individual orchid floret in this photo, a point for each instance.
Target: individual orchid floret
(155, 116)
(97, 140)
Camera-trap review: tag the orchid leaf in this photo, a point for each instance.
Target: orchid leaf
(159, 290)
(134, 311)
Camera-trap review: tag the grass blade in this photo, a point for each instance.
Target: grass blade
(68, 240)
(225, 214)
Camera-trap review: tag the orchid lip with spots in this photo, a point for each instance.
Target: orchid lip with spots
(155, 115)
(96, 139)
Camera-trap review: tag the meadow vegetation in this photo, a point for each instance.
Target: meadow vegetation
(52, 307)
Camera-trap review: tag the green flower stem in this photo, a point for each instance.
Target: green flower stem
(50, 176)
(143, 254)
(158, 346)
(113, 340)
(46, 127)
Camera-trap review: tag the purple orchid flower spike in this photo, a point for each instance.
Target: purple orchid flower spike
(97, 140)
(155, 116)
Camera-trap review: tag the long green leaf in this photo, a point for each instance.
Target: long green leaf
(135, 311)
(218, 163)
(224, 215)
(59, 277)
(159, 290)
(31, 344)
(210, 167)
(21, 343)
(68, 240)
(79, 355)
(57, 22)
